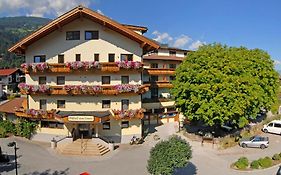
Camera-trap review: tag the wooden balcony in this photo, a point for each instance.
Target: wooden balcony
(128, 114)
(159, 84)
(105, 90)
(159, 71)
(63, 68)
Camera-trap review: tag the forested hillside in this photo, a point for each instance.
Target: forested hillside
(12, 29)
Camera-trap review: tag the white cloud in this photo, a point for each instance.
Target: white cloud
(162, 37)
(100, 12)
(39, 7)
(196, 44)
(182, 41)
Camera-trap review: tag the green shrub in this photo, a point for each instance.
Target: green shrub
(25, 128)
(265, 162)
(8, 125)
(169, 155)
(3, 132)
(276, 157)
(242, 163)
(255, 164)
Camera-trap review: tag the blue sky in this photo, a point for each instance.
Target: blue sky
(182, 23)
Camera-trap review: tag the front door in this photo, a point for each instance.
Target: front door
(84, 130)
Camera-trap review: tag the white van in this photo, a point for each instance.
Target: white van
(273, 127)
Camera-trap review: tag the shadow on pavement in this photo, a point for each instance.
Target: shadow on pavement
(50, 172)
(9, 166)
(189, 169)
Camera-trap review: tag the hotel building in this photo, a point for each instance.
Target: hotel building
(88, 75)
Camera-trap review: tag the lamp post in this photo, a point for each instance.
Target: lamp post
(14, 144)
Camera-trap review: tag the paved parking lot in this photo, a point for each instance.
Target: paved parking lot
(35, 159)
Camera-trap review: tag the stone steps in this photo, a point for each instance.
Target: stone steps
(90, 149)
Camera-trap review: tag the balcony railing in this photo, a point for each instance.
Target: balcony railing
(35, 114)
(128, 114)
(83, 89)
(159, 84)
(155, 100)
(81, 66)
(159, 71)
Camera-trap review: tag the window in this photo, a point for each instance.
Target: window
(154, 92)
(126, 57)
(97, 57)
(78, 57)
(39, 58)
(10, 78)
(111, 57)
(105, 79)
(124, 79)
(277, 125)
(185, 53)
(51, 124)
(61, 58)
(106, 126)
(105, 103)
(90, 35)
(60, 80)
(172, 53)
(154, 65)
(172, 66)
(42, 80)
(154, 78)
(125, 124)
(172, 78)
(61, 104)
(0, 79)
(270, 124)
(73, 35)
(124, 104)
(43, 104)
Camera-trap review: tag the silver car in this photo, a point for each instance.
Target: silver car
(255, 142)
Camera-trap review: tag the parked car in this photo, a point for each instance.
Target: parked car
(273, 127)
(279, 171)
(255, 142)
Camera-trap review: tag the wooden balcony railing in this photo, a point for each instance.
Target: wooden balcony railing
(87, 90)
(35, 114)
(159, 84)
(128, 114)
(159, 71)
(84, 67)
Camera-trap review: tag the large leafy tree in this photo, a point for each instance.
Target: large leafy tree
(217, 84)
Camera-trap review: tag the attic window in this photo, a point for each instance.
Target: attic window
(39, 58)
(91, 35)
(73, 35)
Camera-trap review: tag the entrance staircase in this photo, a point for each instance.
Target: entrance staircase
(85, 147)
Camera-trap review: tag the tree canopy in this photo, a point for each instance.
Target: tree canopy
(218, 84)
(169, 155)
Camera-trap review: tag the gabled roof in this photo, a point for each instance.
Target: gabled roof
(12, 105)
(79, 12)
(5, 72)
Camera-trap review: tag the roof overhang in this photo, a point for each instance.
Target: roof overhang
(81, 12)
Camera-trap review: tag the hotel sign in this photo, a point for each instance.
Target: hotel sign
(81, 118)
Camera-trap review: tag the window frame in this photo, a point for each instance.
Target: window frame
(126, 78)
(128, 57)
(43, 106)
(125, 124)
(106, 124)
(70, 38)
(96, 57)
(172, 66)
(59, 103)
(58, 80)
(78, 57)
(102, 79)
(172, 53)
(40, 81)
(125, 102)
(61, 56)
(109, 57)
(94, 34)
(154, 65)
(41, 57)
(104, 104)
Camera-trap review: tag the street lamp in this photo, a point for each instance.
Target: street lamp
(14, 144)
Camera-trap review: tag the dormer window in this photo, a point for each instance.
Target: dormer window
(73, 35)
(39, 58)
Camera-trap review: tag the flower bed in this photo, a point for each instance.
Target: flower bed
(262, 163)
(122, 114)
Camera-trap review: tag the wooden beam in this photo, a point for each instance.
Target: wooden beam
(142, 44)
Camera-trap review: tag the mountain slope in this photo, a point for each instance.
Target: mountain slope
(12, 29)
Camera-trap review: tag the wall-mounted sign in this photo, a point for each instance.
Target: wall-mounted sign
(81, 118)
